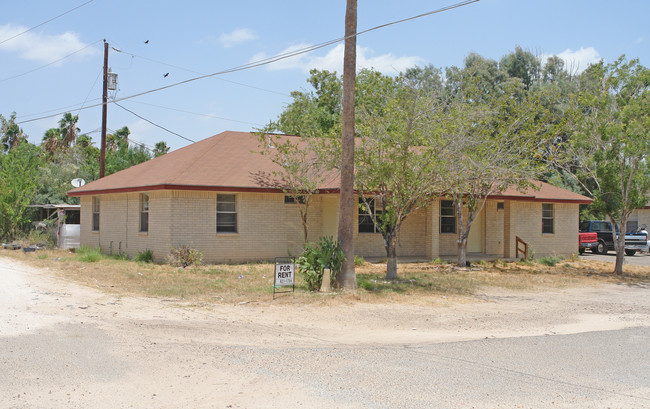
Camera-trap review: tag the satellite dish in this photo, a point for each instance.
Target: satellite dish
(78, 182)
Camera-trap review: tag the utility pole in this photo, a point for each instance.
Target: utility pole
(347, 277)
(102, 152)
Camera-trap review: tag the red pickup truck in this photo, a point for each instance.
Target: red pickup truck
(588, 241)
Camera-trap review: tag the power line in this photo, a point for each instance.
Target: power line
(270, 60)
(197, 72)
(91, 90)
(153, 123)
(45, 22)
(196, 113)
(51, 63)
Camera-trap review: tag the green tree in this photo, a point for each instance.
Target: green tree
(69, 129)
(609, 149)
(52, 141)
(301, 172)
(494, 141)
(125, 158)
(57, 172)
(399, 156)
(11, 135)
(160, 149)
(118, 140)
(18, 183)
(523, 65)
(312, 113)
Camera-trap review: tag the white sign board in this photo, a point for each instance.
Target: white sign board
(284, 274)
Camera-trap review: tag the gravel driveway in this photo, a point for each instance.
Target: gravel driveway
(66, 346)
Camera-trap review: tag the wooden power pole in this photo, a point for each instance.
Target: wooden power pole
(102, 151)
(347, 278)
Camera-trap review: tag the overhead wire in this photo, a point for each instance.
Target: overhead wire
(91, 90)
(270, 60)
(154, 124)
(195, 113)
(197, 72)
(48, 64)
(45, 22)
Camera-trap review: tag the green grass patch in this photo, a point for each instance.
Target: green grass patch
(548, 261)
(89, 254)
(437, 283)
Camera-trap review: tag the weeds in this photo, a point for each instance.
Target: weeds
(145, 256)
(89, 254)
(184, 256)
(548, 261)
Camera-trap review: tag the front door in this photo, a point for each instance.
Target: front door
(475, 239)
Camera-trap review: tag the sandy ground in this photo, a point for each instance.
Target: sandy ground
(63, 345)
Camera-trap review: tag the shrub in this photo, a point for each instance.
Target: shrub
(145, 256)
(358, 261)
(316, 258)
(89, 254)
(39, 238)
(548, 261)
(184, 256)
(437, 260)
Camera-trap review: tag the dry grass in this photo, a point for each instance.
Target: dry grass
(421, 283)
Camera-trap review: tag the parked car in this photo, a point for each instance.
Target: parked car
(634, 241)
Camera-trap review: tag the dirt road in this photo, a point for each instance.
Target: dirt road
(66, 346)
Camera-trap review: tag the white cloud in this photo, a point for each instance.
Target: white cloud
(333, 60)
(577, 61)
(42, 47)
(238, 36)
(639, 40)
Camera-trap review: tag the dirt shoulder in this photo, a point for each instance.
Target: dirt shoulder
(35, 298)
(74, 346)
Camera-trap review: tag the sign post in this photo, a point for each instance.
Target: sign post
(284, 275)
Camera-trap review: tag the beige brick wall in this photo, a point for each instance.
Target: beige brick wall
(526, 222)
(411, 241)
(268, 228)
(265, 224)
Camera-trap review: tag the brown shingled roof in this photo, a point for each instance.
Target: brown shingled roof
(230, 161)
(227, 161)
(543, 193)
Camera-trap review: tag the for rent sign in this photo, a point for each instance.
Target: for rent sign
(285, 270)
(284, 274)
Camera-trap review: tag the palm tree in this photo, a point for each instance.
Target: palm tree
(11, 135)
(161, 148)
(118, 140)
(52, 140)
(69, 130)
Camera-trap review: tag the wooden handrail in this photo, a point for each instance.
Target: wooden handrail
(523, 250)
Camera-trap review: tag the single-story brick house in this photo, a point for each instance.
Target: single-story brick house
(209, 196)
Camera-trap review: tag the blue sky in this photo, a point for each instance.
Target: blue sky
(56, 67)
